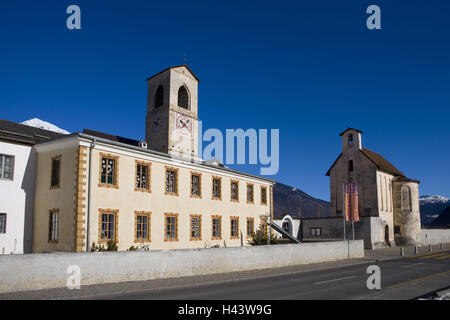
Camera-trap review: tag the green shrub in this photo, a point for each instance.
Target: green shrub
(260, 237)
(111, 245)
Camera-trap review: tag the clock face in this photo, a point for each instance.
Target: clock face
(184, 124)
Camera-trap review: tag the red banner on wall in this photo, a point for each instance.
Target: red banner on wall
(351, 202)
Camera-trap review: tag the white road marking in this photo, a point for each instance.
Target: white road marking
(412, 265)
(335, 280)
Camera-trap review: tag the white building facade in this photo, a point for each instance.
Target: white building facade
(17, 182)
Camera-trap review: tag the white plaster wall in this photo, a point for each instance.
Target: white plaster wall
(294, 222)
(385, 205)
(45, 271)
(17, 198)
(434, 236)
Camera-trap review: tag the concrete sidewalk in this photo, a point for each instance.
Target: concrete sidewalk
(395, 252)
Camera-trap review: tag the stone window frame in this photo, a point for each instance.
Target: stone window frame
(53, 236)
(263, 221)
(169, 168)
(231, 228)
(4, 214)
(405, 191)
(219, 217)
(188, 94)
(167, 215)
(116, 171)
(261, 191)
(13, 165)
(116, 224)
(149, 226)
(253, 226)
(253, 193)
(237, 190)
(199, 238)
(149, 175)
(55, 158)
(194, 173)
(212, 188)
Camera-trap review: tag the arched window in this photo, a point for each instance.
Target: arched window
(159, 97)
(406, 199)
(183, 97)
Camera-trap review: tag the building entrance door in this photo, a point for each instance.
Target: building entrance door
(386, 236)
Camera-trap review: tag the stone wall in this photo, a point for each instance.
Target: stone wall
(332, 229)
(434, 236)
(45, 271)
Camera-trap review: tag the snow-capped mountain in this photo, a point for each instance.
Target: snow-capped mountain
(431, 207)
(38, 123)
(432, 199)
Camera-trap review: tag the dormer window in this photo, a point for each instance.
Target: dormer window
(350, 139)
(159, 97)
(183, 98)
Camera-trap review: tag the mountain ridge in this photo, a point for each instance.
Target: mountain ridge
(298, 204)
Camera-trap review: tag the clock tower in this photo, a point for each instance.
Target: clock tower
(172, 116)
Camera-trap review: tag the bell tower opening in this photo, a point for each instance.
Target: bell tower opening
(351, 140)
(159, 97)
(183, 97)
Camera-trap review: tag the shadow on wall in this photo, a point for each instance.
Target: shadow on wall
(28, 187)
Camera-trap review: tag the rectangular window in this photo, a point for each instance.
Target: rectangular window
(53, 226)
(263, 195)
(234, 222)
(316, 232)
(234, 191)
(350, 166)
(171, 227)
(195, 185)
(108, 171)
(250, 226)
(108, 226)
(142, 226)
(264, 224)
(171, 181)
(56, 163)
(2, 222)
(196, 227)
(216, 188)
(249, 193)
(142, 176)
(216, 227)
(6, 167)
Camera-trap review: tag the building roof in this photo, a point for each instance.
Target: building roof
(381, 163)
(405, 179)
(343, 132)
(111, 137)
(181, 65)
(13, 131)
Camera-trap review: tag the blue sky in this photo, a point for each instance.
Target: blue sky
(310, 69)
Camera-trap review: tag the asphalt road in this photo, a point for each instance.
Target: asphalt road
(403, 278)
